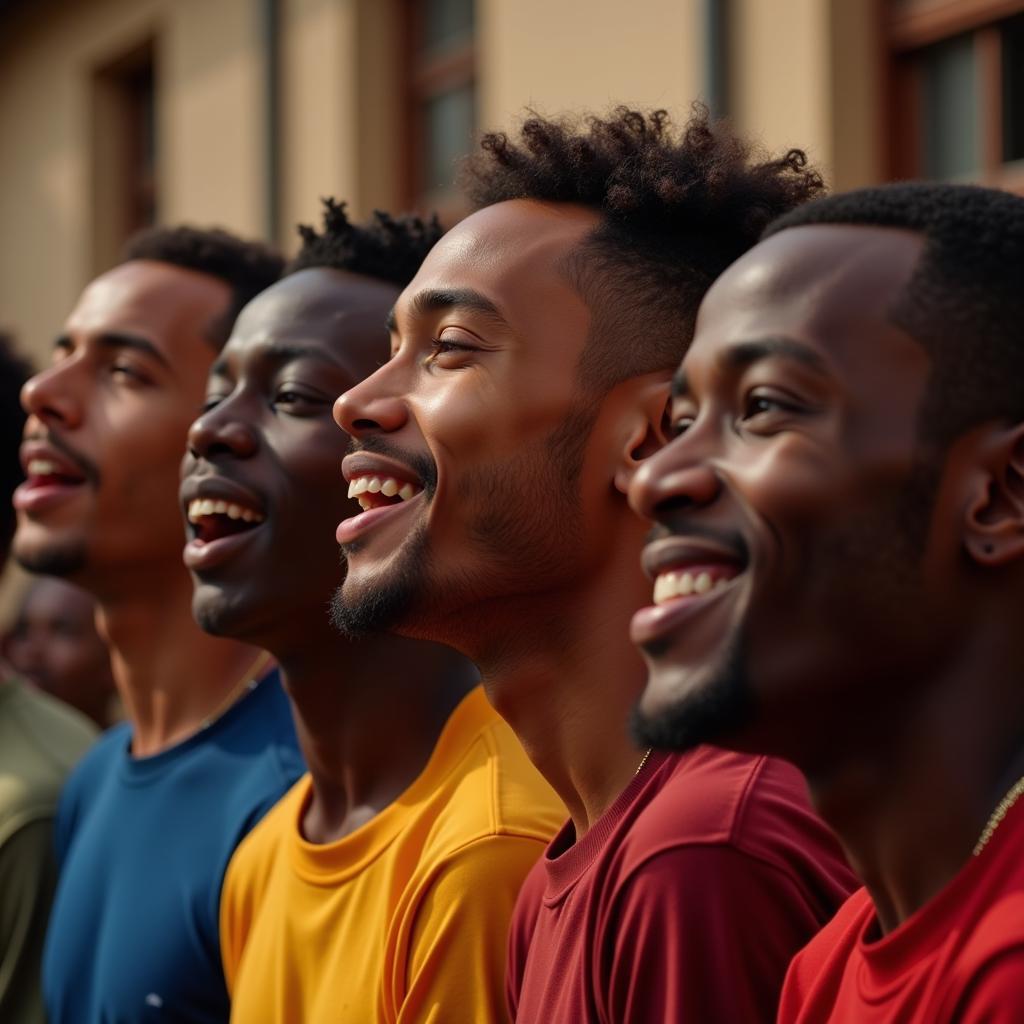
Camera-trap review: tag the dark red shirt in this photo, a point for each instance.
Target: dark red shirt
(959, 958)
(685, 901)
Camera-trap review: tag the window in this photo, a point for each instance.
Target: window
(957, 110)
(124, 152)
(440, 100)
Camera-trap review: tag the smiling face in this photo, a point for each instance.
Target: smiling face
(800, 559)
(107, 422)
(262, 488)
(479, 415)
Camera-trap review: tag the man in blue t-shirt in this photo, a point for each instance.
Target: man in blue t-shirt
(148, 821)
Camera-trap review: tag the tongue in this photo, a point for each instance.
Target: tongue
(216, 526)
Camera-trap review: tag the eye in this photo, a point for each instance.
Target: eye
(450, 349)
(128, 373)
(763, 409)
(211, 401)
(298, 401)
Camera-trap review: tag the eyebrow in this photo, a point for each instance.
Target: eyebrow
(282, 352)
(119, 340)
(740, 356)
(439, 300)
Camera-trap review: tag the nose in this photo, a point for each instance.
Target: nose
(220, 431)
(50, 396)
(676, 477)
(375, 405)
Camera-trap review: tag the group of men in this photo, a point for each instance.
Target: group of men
(341, 789)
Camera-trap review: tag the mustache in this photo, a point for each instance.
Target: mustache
(423, 465)
(88, 468)
(731, 539)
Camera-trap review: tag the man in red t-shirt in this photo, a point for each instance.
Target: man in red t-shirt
(847, 479)
(531, 359)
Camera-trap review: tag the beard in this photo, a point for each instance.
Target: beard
(527, 528)
(63, 559)
(720, 708)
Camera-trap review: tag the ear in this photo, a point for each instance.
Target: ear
(994, 519)
(647, 428)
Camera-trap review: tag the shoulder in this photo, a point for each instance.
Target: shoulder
(52, 733)
(995, 994)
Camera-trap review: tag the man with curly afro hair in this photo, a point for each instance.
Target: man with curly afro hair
(150, 816)
(358, 898)
(529, 380)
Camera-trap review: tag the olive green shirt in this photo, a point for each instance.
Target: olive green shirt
(41, 739)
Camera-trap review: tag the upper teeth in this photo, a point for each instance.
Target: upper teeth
(199, 507)
(42, 467)
(386, 485)
(682, 584)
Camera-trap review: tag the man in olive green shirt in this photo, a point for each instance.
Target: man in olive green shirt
(40, 741)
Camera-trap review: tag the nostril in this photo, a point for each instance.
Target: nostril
(365, 425)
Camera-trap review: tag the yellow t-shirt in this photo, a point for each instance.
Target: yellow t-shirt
(406, 919)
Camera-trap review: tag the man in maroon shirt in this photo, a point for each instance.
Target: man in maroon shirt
(848, 472)
(529, 379)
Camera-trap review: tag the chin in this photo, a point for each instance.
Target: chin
(48, 555)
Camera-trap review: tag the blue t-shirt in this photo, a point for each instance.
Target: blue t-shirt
(143, 845)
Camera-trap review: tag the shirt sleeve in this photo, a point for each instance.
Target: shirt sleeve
(457, 952)
(27, 880)
(524, 921)
(702, 933)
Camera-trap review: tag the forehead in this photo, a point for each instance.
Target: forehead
(830, 287)
(340, 314)
(167, 304)
(513, 252)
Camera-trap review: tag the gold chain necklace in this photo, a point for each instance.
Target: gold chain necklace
(998, 814)
(642, 762)
(250, 677)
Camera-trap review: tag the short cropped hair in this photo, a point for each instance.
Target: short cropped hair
(14, 371)
(676, 207)
(246, 267)
(386, 247)
(964, 300)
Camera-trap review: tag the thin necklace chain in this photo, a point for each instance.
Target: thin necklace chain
(998, 814)
(643, 761)
(250, 677)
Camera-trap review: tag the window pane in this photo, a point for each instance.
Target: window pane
(949, 107)
(1013, 89)
(448, 127)
(446, 23)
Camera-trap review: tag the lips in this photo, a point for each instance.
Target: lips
(222, 518)
(51, 477)
(383, 486)
(690, 577)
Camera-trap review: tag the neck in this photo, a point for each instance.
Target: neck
(171, 676)
(910, 808)
(362, 754)
(568, 679)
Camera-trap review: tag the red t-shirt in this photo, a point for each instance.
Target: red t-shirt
(685, 901)
(959, 958)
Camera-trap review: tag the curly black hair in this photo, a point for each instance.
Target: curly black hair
(390, 248)
(677, 207)
(247, 267)
(14, 371)
(964, 301)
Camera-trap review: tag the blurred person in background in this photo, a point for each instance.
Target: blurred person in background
(529, 379)
(54, 644)
(380, 888)
(149, 819)
(40, 741)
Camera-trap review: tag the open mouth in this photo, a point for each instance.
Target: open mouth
(373, 491)
(213, 519)
(40, 472)
(692, 581)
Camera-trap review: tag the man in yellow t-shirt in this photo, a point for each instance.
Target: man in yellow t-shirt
(380, 888)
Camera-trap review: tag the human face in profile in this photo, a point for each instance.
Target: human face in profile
(800, 562)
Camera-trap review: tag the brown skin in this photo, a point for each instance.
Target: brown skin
(54, 644)
(871, 629)
(120, 412)
(268, 430)
(525, 555)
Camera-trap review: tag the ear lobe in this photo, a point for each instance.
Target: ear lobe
(994, 533)
(649, 429)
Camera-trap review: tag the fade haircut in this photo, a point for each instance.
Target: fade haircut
(964, 300)
(246, 267)
(676, 207)
(14, 371)
(389, 248)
